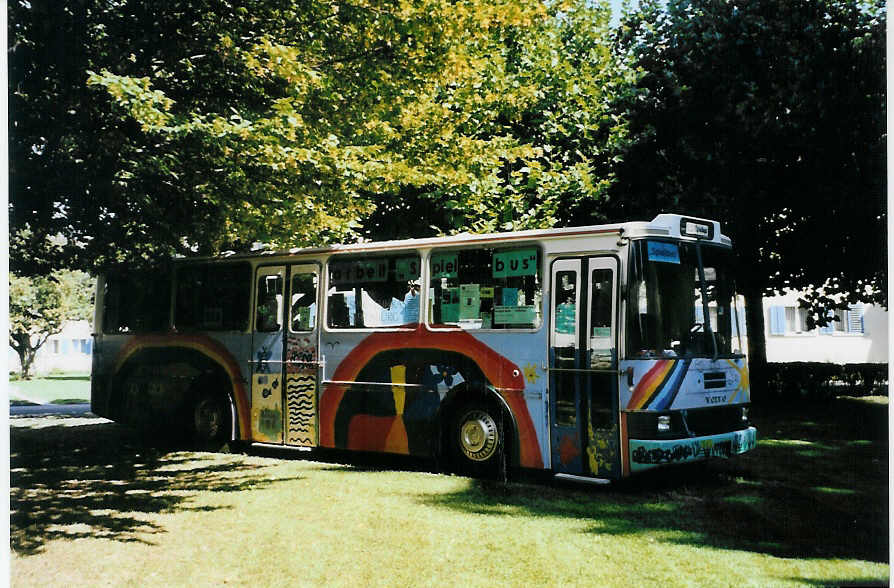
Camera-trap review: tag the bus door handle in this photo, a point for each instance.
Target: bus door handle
(629, 372)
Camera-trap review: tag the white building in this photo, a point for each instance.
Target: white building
(70, 350)
(860, 336)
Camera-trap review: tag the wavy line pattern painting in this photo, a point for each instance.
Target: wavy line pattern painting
(301, 409)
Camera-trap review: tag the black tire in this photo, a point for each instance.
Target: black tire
(211, 421)
(476, 440)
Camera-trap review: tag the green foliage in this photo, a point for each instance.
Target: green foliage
(771, 118)
(38, 308)
(549, 87)
(358, 99)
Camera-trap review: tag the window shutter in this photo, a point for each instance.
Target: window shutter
(777, 320)
(830, 328)
(855, 319)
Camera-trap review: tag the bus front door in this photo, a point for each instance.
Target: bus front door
(583, 367)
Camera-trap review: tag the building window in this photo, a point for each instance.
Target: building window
(848, 321)
(788, 320)
(792, 320)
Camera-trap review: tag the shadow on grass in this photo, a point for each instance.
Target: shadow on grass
(66, 377)
(105, 481)
(816, 486)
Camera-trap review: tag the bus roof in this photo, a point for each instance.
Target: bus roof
(663, 225)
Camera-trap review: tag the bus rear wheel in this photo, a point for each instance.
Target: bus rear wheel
(211, 421)
(476, 440)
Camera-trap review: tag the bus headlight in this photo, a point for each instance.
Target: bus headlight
(744, 414)
(664, 423)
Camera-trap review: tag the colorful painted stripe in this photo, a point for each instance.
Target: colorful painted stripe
(650, 383)
(743, 390)
(658, 388)
(667, 392)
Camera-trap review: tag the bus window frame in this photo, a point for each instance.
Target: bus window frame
(326, 285)
(249, 321)
(318, 273)
(101, 301)
(496, 246)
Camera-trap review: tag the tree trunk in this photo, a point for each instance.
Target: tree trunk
(25, 351)
(757, 342)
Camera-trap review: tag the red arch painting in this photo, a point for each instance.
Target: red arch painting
(501, 372)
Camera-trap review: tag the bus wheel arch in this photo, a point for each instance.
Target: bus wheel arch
(174, 386)
(479, 435)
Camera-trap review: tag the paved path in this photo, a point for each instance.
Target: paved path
(39, 409)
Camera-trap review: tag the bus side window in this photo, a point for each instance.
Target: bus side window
(373, 292)
(304, 302)
(137, 302)
(485, 288)
(269, 304)
(213, 297)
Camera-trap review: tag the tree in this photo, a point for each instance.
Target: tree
(771, 118)
(208, 126)
(39, 307)
(552, 87)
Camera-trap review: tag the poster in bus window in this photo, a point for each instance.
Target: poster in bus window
(663, 252)
(515, 315)
(509, 296)
(450, 305)
(470, 301)
(358, 271)
(566, 318)
(406, 269)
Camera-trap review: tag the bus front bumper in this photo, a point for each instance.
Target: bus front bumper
(646, 454)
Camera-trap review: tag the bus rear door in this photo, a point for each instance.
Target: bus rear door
(285, 366)
(583, 367)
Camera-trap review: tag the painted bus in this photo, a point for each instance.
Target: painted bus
(596, 352)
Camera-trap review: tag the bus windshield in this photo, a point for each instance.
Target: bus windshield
(666, 301)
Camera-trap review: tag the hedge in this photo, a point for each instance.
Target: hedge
(800, 379)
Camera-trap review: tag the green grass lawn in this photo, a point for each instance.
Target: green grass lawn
(56, 389)
(93, 502)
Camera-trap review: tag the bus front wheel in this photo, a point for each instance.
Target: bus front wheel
(476, 440)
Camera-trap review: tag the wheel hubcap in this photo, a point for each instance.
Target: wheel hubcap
(208, 419)
(478, 435)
